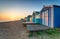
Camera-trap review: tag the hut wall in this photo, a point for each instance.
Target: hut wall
(56, 16)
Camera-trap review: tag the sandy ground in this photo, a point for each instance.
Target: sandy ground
(12, 30)
(15, 30)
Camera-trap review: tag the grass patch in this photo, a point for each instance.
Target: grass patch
(31, 34)
(48, 32)
(52, 31)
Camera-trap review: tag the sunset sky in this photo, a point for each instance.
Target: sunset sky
(15, 10)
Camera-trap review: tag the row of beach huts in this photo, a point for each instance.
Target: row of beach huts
(48, 16)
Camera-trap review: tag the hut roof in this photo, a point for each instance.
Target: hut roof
(29, 16)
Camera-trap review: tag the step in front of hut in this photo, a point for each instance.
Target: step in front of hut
(36, 27)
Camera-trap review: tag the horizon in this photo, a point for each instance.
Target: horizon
(15, 10)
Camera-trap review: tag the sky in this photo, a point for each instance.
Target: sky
(17, 9)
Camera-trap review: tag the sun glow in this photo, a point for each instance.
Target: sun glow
(11, 14)
(9, 17)
(14, 16)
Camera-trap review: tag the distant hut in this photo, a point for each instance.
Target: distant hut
(28, 18)
(25, 19)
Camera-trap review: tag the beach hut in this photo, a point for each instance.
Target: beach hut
(28, 18)
(38, 17)
(33, 17)
(25, 18)
(51, 16)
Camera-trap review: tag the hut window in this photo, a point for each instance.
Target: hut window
(30, 19)
(46, 13)
(42, 15)
(38, 16)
